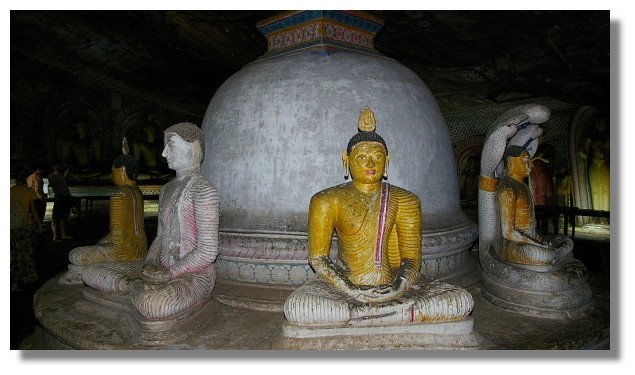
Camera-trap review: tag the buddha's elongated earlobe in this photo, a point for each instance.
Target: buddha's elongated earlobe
(386, 167)
(345, 163)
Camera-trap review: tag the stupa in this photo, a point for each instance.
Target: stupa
(274, 129)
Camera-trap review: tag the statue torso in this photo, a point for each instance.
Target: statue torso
(522, 204)
(127, 219)
(367, 238)
(180, 228)
(171, 207)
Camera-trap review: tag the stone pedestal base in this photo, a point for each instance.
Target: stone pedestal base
(558, 294)
(118, 308)
(266, 265)
(99, 320)
(437, 336)
(65, 326)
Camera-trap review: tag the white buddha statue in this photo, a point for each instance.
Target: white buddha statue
(178, 272)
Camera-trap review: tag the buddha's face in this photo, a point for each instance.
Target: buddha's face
(522, 163)
(119, 176)
(367, 162)
(600, 125)
(177, 152)
(82, 130)
(150, 135)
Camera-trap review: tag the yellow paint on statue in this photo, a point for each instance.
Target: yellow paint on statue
(515, 200)
(523, 245)
(126, 230)
(489, 184)
(354, 210)
(366, 120)
(377, 279)
(126, 239)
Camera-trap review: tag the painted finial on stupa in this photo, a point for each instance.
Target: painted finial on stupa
(323, 31)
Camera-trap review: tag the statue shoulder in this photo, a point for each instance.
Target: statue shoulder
(330, 195)
(404, 196)
(202, 185)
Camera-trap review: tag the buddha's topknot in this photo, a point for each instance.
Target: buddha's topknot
(130, 163)
(366, 126)
(513, 151)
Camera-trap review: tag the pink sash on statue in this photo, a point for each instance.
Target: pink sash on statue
(381, 227)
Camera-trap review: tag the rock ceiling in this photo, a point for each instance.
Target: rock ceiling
(466, 57)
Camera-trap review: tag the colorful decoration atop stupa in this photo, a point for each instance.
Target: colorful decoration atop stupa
(322, 30)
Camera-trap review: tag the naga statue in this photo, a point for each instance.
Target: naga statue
(376, 282)
(523, 271)
(169, 291)
(127, 237)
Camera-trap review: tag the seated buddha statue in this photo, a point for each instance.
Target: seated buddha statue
(376, 280)
(147, 151)
(127, 238)
(178, 274)
(522, 271)
(521, 243)
(82, 151)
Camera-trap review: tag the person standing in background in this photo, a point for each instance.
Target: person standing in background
(36, 182)
(24, 224)
(62, 203)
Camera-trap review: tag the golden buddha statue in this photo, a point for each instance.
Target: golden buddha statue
(522, 244)
(377, 279)
(127, 238)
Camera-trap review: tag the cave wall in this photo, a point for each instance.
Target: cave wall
(44, 108)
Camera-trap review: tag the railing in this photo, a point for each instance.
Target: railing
(91, 194)
(545, 213)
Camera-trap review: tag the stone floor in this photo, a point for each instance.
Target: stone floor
(239, 328)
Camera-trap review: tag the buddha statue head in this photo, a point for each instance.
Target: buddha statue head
(125, 167)
(184, 146)
(366, 155)
(81, 129)
(124, 170)
(150, 131)
(517, 161)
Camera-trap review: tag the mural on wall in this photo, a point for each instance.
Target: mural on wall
(80, 147)
(468, 160)
(83, 128)
(589, 150)
(73, 124)
(23, 146)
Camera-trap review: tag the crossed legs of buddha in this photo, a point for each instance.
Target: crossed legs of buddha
(317, 303)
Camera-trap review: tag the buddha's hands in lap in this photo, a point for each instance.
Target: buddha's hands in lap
(558, 241)
(136, 284)
(155, 274)
(381, 293)
(537, 241)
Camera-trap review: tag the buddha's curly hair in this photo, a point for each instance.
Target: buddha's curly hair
(190, 133)
(513, 151)
(364, 136)
(130, 163)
